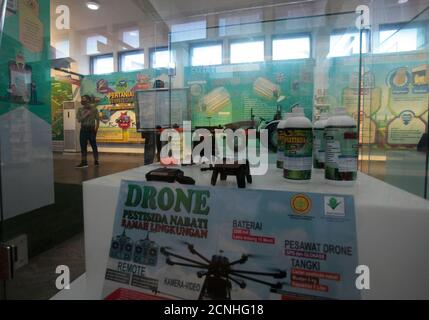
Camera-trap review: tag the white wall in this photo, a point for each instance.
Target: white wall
(154, 33)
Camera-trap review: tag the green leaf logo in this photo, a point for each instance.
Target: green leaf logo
(334, 203)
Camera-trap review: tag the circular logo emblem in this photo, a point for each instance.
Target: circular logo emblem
(301, 204)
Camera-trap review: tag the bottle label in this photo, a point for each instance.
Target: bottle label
(319, 149)
(298, 159)
(341, 153)
(281, 136)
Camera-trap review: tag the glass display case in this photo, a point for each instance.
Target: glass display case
(256, 66)
(228, 64)
(395, 109)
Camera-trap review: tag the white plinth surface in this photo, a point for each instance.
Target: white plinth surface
(392, 228)
(77, 291)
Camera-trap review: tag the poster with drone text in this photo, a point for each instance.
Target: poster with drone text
(202, 243)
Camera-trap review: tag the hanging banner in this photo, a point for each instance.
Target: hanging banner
(187, 242)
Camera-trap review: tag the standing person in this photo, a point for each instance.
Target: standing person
(89, 118)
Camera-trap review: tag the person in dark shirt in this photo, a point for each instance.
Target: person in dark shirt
(89, 118)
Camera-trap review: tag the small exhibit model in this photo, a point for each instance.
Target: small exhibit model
(240, 171)
(169, 176)
(220, 274)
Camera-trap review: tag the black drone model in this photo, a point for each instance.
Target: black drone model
(219, 273)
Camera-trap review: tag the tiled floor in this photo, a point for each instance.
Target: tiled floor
(36, 281)
(65, 171)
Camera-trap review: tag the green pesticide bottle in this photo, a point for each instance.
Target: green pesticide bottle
(298, 161)
(281, 136)
(342, 146)
(319, 154)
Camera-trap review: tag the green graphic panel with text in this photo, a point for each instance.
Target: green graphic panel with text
(230, 93)
(395, 96)
(25, 79)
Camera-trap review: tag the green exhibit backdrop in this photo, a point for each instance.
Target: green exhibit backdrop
(115, 93)
(229, 93)
(395, 96)
(61, 92)
(25, 74)
(25, 109)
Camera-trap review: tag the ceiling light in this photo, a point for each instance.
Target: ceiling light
(402, 1)
(93, 5)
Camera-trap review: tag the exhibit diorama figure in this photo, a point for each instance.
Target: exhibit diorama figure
(89, 118)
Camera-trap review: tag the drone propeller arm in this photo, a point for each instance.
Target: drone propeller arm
(278, 275)
(174, 263)
(241, 283)
(272, 285)
(196, 253)
(242, 260)
(170, 254)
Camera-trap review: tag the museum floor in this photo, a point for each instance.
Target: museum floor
(36, 281)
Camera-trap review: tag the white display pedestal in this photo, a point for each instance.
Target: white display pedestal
(392, 228)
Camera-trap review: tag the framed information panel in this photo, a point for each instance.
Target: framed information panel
(153, 108)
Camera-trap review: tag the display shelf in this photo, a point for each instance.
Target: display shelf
(391, 227)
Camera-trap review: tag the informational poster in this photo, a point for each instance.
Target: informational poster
(31, 30)
(61, 92)
(116, 95)
(395, 96)
(223, 95)
(406, 130)
(205, 243)
(118, 124)
(371, 94)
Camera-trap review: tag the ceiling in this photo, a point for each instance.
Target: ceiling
(111, 12)
(169, 9)
(118, 12)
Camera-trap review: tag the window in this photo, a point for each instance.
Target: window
(399, 40)
(189, 31)
(131, 38)
(92, 44)
(102, 64)
(159, 58)
(62, 49)
(252, 51)
(131, 60)
(347, 44)
(206, 55)
(292, 48)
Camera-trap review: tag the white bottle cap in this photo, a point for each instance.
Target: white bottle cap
(297, 112)
(340, 111)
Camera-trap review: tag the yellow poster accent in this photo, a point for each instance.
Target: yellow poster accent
(371, 100)
(301, 204)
